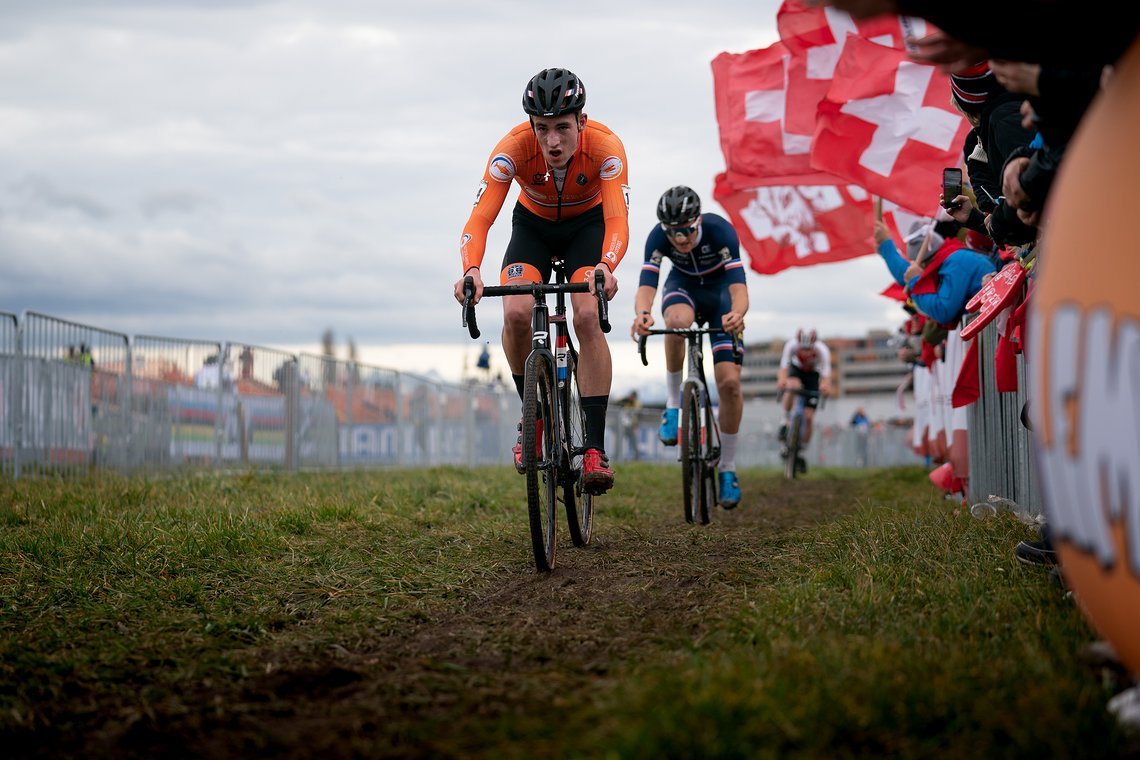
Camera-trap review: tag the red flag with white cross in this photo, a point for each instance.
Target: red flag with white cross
(816, 37)
(887, 125)
(750, 93)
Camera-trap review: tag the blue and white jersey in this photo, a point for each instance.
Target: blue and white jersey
(714, 260)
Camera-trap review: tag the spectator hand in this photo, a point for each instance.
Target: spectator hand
(881, 232)
(1017, 76)
(1011, 188)
(964, 207)
(949, 54)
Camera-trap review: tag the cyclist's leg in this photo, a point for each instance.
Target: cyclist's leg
(679, 311)
(731, 409)
(810, 383)
(581, 245)
(527, 259)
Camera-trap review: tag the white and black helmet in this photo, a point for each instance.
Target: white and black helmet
(678, 205)
(553, 92)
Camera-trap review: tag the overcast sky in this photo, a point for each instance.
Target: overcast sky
(261, 171)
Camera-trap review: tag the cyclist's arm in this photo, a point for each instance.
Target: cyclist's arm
(643, 309)
(734, 320)
(824, 367)
(785, 363)
(493, 189)
(614, 172)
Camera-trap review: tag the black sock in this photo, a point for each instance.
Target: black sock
(594, 407)
(520, 381)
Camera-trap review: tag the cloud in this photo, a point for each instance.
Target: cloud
(260, 171)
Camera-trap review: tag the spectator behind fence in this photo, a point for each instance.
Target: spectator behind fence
(942, 278)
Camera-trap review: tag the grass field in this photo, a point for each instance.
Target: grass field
(398, 614)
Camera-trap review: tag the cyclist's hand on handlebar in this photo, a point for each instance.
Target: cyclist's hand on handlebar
(611, 286)
(476, 279)
(733, 322)
(641, 325)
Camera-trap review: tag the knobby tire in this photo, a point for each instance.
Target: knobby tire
(793, 445)
(543, 473)
(692, 455)
(579, 505)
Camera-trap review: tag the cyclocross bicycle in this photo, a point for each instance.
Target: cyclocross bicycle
(794, 464)
(553, 423)
(698, 434)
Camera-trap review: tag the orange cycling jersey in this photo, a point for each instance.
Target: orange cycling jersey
(596, 174)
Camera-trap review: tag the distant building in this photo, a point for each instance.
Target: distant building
(867, 366)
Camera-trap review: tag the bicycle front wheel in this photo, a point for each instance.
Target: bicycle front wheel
(541, 455)
(579, 505)
(793, 446)
(710, 457)
(692, 455)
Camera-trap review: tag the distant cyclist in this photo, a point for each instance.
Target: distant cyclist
(574, 203)
(806, 364)
(705, 285)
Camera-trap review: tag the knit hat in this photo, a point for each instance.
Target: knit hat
(917, 235)
(971, 87)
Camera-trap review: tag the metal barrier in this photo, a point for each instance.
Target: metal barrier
(11, 393)
(75, 405)
(1001, 448)
(75, 398)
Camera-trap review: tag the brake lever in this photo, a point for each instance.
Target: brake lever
(603, 306)
(469, 307)
(641, 349)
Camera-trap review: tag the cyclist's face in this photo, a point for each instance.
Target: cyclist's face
(683, 237)
(558, 137)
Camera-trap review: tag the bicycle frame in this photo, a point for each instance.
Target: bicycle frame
(795, 430)
(552, 457)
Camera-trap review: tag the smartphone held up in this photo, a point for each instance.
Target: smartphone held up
(951, 187)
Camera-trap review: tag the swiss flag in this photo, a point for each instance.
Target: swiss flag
(888, 126)
(816, 37)
(788, 225)
(750, 93)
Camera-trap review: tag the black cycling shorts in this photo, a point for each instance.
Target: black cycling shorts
(535, 241)
(810, 382)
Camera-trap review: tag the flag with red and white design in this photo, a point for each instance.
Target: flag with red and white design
(750, 90)
(887, 125)
(815, 37)
(782, 226)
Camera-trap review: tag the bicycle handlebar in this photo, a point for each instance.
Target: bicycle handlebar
(687, 331)
(536, 290)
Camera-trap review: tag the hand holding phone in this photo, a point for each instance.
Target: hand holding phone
(951, 187)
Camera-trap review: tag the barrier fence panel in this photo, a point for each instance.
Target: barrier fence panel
(11, 392)
(1001, 454)
(275, 412)
(76, 396)
(179, 387)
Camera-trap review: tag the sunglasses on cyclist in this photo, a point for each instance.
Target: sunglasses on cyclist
(682, 231)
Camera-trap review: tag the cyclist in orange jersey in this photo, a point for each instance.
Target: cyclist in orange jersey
(574, 203)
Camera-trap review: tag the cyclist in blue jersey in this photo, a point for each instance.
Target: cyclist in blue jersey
(705, 285)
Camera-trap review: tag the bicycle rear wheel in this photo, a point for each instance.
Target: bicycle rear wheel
(793, 446)
(579, 505)
(692, 455)
(542, 456)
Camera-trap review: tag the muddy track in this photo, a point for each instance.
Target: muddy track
(533, 640)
